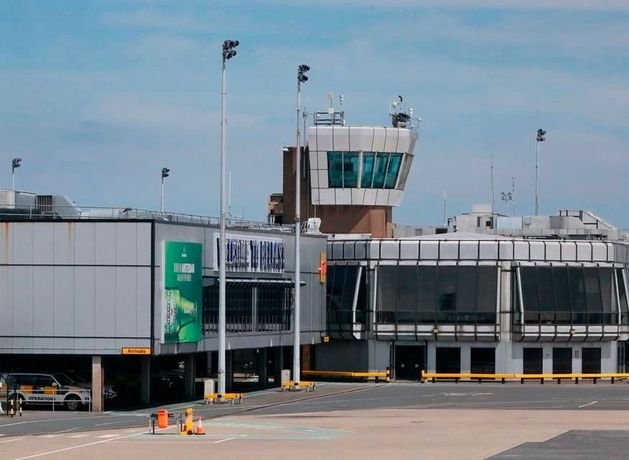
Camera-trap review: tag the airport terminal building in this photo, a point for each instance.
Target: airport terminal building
(123, 291)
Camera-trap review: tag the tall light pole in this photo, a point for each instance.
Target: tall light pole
(228, 53)
(15, 163)
(301, 78)
(165, 174)
(540, 138)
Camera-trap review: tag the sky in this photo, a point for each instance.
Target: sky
(97, 96)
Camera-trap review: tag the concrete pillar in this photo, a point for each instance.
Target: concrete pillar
(466, 358)
(189, 375)
(263, 378)
(278, 356)
(98, 378)
(145, 380)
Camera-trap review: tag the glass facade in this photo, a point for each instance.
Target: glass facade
(341, 287)
(437, 294)
(251, 306)
(572, 295)
(363, 169)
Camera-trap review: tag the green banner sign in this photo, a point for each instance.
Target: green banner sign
(182, 294)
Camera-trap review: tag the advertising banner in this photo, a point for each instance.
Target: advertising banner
(249, 254)
(182, 291)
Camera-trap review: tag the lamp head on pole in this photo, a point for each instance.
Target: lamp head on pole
(228, 49)
(165, 172)
(301, 73)
(15, 163)
(540, 135)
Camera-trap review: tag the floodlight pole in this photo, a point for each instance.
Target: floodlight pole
(540, 138)
(15, 163)
(301, 77)
(228, 53)
(162, 195)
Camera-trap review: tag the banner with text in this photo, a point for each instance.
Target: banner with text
(182, 291)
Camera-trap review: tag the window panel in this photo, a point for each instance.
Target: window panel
(393, 169)
(335, 169)
(487, 290)
(446, 289)
(368, 161)
(466, 289)
(380, 169)
(350, 169)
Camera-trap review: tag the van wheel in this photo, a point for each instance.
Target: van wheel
(73, 402)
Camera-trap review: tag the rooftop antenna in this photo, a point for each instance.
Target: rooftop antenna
(513, 195)
(229, 195)
(445, 205)
(493, 195)
(341, 97)
(331, 99)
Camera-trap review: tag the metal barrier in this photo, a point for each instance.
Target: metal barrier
(434, 376)
(384, 375)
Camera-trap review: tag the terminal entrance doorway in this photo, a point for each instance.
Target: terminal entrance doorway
(409, 361)
(532, 361)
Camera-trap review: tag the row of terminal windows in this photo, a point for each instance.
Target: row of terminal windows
(363, 169)
(469, 295)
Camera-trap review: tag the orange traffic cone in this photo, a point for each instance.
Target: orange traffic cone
(200, 429)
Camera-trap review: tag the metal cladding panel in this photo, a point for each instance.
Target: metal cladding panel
(361, 250)
(389, 250)
(143, 247)
(105, 301)
(488, 250)
(553, 250)
(325, 140)
(584, 251)
(469, 250)
(358, 196)
(105, 243)
(341, 138)
(22, 243)
(409, 250)
(125, 302)
(84, 314)
(506, 250)
(568, 251)
(64, 243)
(599, 252)
(373, 248)
(337, 250)
(520, 250)
(429, 250)
(537, 250)
(312, 157)
(343, 196)
(6, 308)
(379, 139)
(348, 250)
(404, 141)
(326, 196)
(370, 197)
(22, 301)
(43, 319)
(64, 301)
(126, 243)
(323, 178)
(449, 250)
(322, 162)
(361, 139)
(391, 140)
(382, 197)
(43, 243)
(5, 243)
(84, 245)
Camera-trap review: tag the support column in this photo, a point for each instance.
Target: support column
(98, 377)
(145, 380)
(263, 378)
(278, 364)
(189, 374)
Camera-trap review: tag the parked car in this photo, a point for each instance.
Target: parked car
(59, 389)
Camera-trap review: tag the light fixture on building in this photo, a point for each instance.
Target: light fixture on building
(165, 174)
(15, 163)
(541, 137)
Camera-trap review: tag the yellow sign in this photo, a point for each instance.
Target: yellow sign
(323, 268)
(136, 351)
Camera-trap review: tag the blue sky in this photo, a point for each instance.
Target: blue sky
(98, 96)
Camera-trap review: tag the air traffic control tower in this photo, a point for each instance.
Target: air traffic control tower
(352, 176)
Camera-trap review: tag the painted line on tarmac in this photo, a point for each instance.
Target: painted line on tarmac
(588, 404)
(65, 449)
(6, 441)
(225, 440)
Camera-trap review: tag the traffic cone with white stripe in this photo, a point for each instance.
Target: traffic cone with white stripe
(200, 429)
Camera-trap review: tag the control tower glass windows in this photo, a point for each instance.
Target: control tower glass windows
(363, 169)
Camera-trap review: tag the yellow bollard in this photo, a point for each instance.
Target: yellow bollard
(187, 427)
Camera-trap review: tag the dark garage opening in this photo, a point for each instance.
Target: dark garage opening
(591, 360)
(562, 360)
(448, 360)
(483, 361)
(533, 361)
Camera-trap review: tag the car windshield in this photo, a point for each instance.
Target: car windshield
(64, 379)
